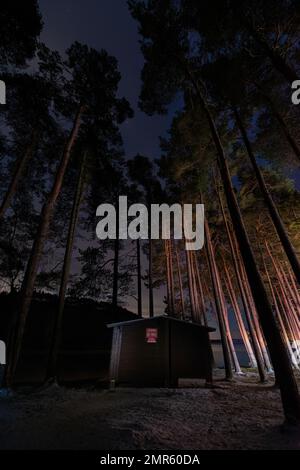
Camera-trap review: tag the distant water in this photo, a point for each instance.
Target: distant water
(239, 348)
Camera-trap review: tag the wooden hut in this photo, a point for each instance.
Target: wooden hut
(159, 351)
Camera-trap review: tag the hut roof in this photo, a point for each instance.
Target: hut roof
(158, 317)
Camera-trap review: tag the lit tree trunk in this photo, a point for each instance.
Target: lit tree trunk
(239, 318)
(57, 332)
(289, 289)
(194, 287)
(18, 172)
(285, 335)
(289, 326)
(288, 317)
(208, 296)
(218, 304)
(290, 308)
(228, 331)
(292, 279)
(36, 252)
(286, 310)
(279, 354)
(180, 285)
(246, 306)
(139, 277)
(257, 327)
(190, 285)
(278, 314)
(200, 288)
(276, 219)
(226, 319)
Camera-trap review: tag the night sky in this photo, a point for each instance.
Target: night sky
(108, 24)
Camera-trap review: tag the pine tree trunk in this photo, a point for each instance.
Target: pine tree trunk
(17, 174)
(287, 310)
(245, 303)
(139, 277)
(276, 219)
(239, 318)
(180, 285)
(256, 323)
(292, 293)
(288, 305)
(194, 287)
(289, 327)
(207, 294)
(292, 279)
(36, 252)
(225, 315)
(200, 287)
(228, 331)
(278, 314)
(218, 304)
(279, 354)
(190, 285)
(57, 332)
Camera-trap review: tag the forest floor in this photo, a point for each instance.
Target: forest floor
(238, 415)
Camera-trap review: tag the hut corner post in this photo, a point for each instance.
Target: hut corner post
(115, 357)
(168, 355)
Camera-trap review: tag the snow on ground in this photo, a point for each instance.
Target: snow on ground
(240, 415)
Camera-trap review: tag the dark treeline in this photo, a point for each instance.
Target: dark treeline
(231, 145)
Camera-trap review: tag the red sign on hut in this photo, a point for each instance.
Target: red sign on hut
(151, 335)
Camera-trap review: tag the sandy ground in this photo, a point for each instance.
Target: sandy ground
(240, 415)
